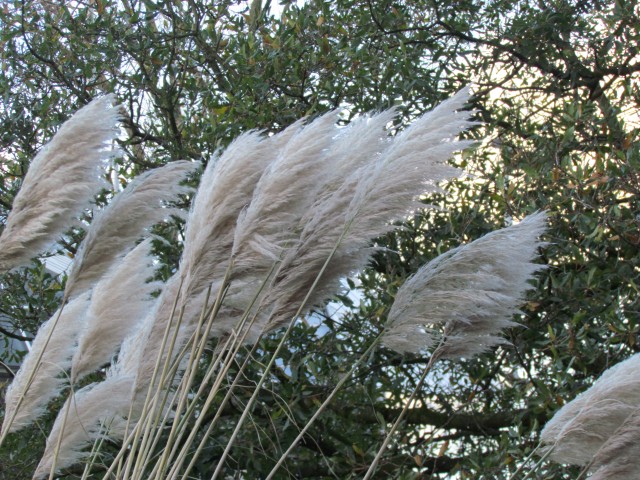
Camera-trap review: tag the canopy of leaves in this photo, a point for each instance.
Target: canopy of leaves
(557, 91)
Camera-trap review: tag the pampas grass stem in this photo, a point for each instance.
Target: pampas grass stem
(537, 465)
(236, 343)
(197, 347)
(66, 408)
(272, 360)
(95, 450)
(322, 407)
(396, 424)
(231, 347)
(150, 402)
(524, 462)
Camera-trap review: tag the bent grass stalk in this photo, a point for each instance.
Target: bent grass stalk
(155, 473)
(173, 474)
(191, 407)
(153, 422)
(130, 437)
(179, 427)
(272, 360)
(133, 436)
(212, 394)
(321, 408)
(394, 427)
(191, 368)
(540, 462)
(526, 460)
(236, 344)
(95, 450)
(182, 391)
(166, 456)
(56, 452)
(151, 405)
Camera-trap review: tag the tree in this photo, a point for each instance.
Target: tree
(557, 94)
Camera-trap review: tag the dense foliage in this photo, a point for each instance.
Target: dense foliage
(557, 94)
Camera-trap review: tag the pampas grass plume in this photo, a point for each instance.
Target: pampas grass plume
(49, 378)
(115, 229)
(619, 456)
(225, 190)
(465, 297)
(120, 301)
(583, 426)
(95, 410)
(61, 181)
(366, 202)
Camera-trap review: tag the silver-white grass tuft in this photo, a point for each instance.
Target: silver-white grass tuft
(321, 156)
(581, 427)
(114, 230)
(120, 301)
(61, 181)
(226, 188)
(283, 195)
(141, 350)
(619, 456)
(95, 411)
(50, 377)
(463, 299)
(365, 204)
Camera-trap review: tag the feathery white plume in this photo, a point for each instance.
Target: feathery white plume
(115, 229)
(581, 427)
(365, 204)
(338, 151)
(49, 378)
(141, 350)
(283, 195)
(619, 456)
(61, 181)
(225, 189)
(100, 410)
(120, 300)
(465, 297)
(94, 410)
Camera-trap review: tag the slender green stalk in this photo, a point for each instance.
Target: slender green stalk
(310, 422)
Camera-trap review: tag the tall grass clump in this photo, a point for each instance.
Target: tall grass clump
(275, 225)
